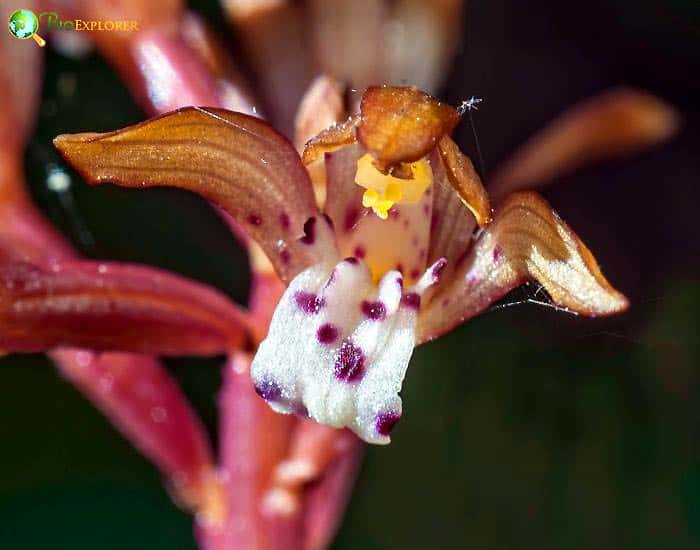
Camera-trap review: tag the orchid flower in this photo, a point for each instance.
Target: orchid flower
(391, 262)
(268, 460)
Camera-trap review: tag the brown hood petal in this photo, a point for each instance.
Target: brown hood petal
(402, 124)
(527, 240)
(465, 181)
(234, 160)
(116, 307)
(614, 123)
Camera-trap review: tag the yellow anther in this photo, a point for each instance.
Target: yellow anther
(370, 199)
(385, 190)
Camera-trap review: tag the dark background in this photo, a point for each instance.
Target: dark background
(525, 428)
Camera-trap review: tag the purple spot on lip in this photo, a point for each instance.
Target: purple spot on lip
(352, 216)
(268, 390)
(327, 333)
(415, 273)
(399, 281)
(445, 302)
(359, 252)
(374, 310)
(284, 220)
(349, 362)
(411, 300)
(394, 213)
(309, 231)
(471, 280)
(254, 219)
(285, 256)
(386, 421)
(497, 253)
(309, 303)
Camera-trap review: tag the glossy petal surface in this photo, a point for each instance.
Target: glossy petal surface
(113, 307)
(526, 240)
(234, 160)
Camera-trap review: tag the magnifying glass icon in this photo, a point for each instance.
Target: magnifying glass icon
(23, 24)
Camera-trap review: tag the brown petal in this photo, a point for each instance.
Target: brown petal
(614, 123)
(402, 124)
(234, 160)
(527, 240)
(465, 181)
(106, 306)
(331, 139)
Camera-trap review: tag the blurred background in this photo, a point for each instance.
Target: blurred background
(525, 428)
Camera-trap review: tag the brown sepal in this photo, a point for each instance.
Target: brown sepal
(331, 139)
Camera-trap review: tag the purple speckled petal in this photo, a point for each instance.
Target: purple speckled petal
(346, 344)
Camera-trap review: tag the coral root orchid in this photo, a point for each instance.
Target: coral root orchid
(391, 261)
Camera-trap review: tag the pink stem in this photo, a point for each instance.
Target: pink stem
(253, 441)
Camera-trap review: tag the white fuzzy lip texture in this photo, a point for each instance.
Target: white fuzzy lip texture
(339, 346)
